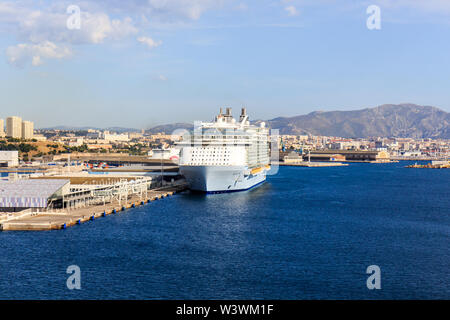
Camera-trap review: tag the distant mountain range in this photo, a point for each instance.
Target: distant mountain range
(402, 120)
(169, 128)
(389, 120)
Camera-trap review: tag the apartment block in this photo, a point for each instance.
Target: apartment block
(14, 127)
(27, 130)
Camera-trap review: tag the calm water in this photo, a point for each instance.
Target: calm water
(309, 233)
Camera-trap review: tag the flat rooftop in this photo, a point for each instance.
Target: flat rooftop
(28, 193)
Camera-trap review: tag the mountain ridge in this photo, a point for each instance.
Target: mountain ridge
(406, 120)
(388, 120)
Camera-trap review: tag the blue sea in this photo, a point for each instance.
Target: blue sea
(308, 233)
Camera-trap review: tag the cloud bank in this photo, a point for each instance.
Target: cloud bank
(43, 34)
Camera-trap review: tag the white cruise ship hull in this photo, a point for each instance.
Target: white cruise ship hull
(217, 179)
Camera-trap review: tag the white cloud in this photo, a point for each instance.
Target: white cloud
(291, 10)
(35, 23)
(149, 42)
(38, 26)
(24, 53)
(162, 77)
(44, 29)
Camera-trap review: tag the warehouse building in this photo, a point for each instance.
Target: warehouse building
(9, 158)
(24, 194)
(349, 155)
(293, 157)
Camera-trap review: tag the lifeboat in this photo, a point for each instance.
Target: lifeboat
(256, 170)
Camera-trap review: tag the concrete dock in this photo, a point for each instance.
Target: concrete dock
(64, 218)
(313, 164)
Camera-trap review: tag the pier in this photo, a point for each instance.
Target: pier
(61, 196)
(64, 218)
(314, 164)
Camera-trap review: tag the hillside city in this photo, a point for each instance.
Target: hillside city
(55, 179)
(44, 145)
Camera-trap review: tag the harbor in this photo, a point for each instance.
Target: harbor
(82, 206)
(79, 189)
(220, 241)
(65, 189)
(224, 159)
(28, 220)
(64, 196)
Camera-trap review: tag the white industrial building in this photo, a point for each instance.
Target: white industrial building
(9, 158)
(25, 194)
(164, 154)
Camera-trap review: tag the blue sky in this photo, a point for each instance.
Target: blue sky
(140, 63)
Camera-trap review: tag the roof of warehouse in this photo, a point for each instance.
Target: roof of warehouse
(30, 188)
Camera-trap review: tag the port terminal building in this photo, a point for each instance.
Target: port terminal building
(338, 155)
(9, 158)
(47, 193)
(348, 155)
(34, 195)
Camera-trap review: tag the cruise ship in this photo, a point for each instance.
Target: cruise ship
(225, 155)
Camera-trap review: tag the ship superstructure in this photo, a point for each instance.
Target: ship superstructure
(225, 155)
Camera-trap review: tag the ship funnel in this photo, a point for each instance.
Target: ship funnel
(243, 116)
(229, 112)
